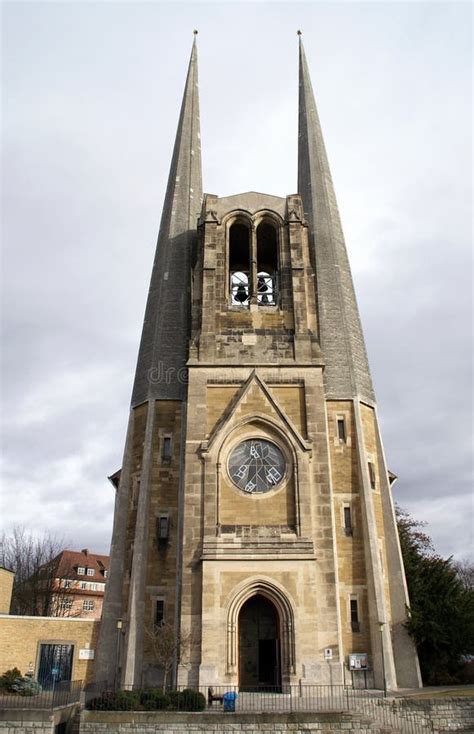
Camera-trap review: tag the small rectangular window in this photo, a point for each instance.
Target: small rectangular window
(66, 604)
(355, 624)
(67, 584)
(372, 474)
(166, 449)
(347, 520)
(88, 605)
(81, 571)
(159, 611)
(162, 529)
(341, 430)
(90, 572)
(83, 585)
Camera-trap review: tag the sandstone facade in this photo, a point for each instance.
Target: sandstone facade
(298, 578)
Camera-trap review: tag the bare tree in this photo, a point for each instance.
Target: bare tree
(37, 588)
(465, 571)
(168, 647)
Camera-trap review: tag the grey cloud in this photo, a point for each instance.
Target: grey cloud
(91, 98)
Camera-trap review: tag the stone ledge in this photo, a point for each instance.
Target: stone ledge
(207, 717)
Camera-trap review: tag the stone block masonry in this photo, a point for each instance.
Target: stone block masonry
(36, 721)
(438, 716)
(93, 722)
(445, 714)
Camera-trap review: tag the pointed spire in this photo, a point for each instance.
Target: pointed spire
(163, 347)
(347, 371)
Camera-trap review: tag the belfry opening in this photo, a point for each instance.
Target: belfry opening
(259, 646)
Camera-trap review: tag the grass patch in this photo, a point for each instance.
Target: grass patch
(450, 693)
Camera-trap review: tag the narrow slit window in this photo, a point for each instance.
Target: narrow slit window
(267, 265)
(159, 612)
(341, 430)
(347, 520)
(372, 474)
(355, 622)
(239, 264)
(166, 449)
(162, 529)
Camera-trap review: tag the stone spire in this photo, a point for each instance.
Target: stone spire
(164, 343)
(347, 371)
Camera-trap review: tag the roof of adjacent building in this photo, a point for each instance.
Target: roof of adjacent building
(68, 562)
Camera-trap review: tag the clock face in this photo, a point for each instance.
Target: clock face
(256, 466)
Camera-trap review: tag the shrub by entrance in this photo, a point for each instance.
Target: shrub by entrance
(152, 699)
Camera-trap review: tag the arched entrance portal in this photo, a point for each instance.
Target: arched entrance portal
(259, 644)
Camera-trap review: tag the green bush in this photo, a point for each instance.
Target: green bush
(174, 699)
(9, 678)
(26, 686)
(119, 701)
(191, 700)
(154, 699)
(466, 673)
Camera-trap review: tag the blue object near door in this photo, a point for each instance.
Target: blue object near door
(229, 699)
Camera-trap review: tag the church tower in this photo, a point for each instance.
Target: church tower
(253, 510)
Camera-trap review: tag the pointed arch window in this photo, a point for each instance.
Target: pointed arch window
(253, 264)
(267, 264)
(239, 264)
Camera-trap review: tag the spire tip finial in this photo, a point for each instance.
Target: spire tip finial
(299, 33)
(195, 32)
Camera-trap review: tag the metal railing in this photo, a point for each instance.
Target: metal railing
(63, 693)
(370, 704)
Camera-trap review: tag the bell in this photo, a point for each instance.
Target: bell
(261, 285)
(265, 300)
(241, 295)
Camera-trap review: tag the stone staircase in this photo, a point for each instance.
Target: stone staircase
(75, 724)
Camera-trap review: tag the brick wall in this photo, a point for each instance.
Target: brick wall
(20, 639)
(6, 586)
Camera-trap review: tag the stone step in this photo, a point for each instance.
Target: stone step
(75, 724)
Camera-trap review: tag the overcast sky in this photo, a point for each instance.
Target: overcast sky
(91, 96)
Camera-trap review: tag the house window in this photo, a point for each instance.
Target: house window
(106, 573)
(371, 474)
(66, 604)
(166, 449)
(88, 605)
(93, 587)
(90, 572)
(83, 584)
(159, 611)
(341, 430)
(81, 571)
(347, 520)
(67, 583)
(355, 623)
